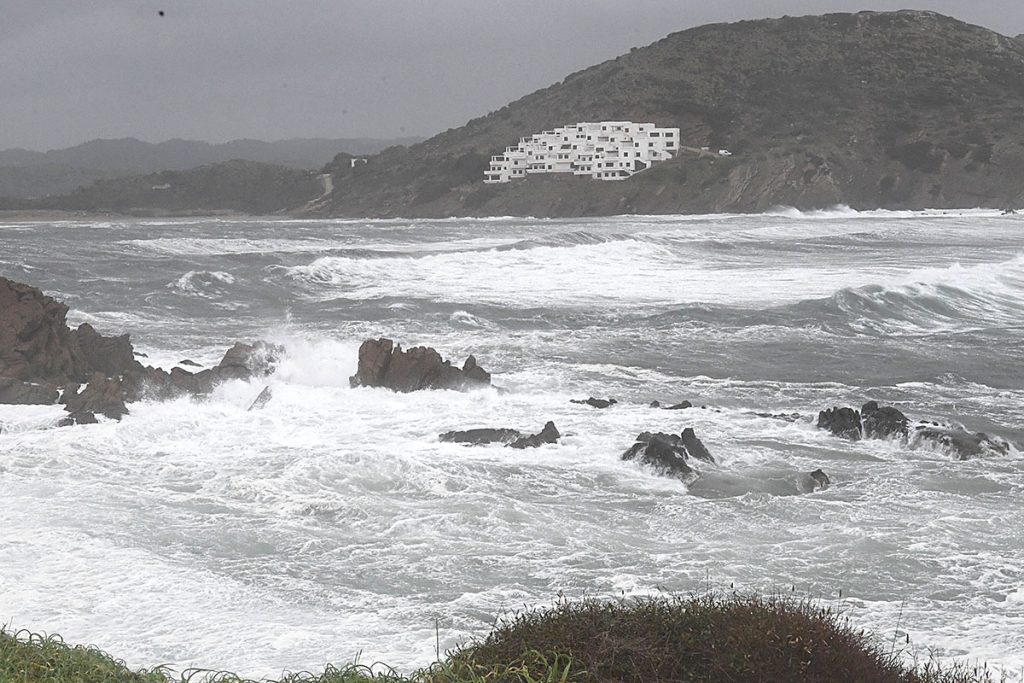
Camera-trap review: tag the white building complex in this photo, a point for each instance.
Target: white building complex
(609, 150)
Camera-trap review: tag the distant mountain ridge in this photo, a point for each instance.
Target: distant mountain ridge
(908, 109)
(25, 173)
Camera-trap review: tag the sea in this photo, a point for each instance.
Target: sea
(333, 525)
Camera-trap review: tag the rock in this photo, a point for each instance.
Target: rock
(103, 395)
(13, 391)
(655, 404)
(189, 363)
(111, 356)
(482, 436)
(262, 399)
(959, 442)
(882, 423)
(663, 452)
(382, 363)
(694, 447)
(595, 402)
(36, 344)
(549, 434)
(842, 422)
(819, 480)
(785, 417)
(243, 361)
(680, 406)
(80, 418)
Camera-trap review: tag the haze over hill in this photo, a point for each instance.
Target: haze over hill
(905, 109)
(25, 173)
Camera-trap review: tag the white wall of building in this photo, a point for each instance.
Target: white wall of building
(607, 150)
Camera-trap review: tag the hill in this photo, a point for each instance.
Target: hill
(906, 109)
(232, 186)
(25, 173)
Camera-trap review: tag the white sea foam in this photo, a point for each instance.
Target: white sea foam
(334, 521)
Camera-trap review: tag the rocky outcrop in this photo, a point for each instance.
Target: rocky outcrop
(815, 481)
(595, 402)
(954, 439)
(549, 434)
(886, 422)
(882, 423)
(669, 453)
(382, 363)
(102, 395)
(663, 452)
(241, 361)
(42, 361)
(842, 422)
(479, 437)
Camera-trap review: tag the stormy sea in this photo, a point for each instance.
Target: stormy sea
(333, 523)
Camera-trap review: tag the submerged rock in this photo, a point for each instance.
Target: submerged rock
(595, 402)
(382, 363)
(815, 481)
(481, 436)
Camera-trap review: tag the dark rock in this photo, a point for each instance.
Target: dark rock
(243, 361)
(79, 418)
(103, 395)
(959, 442)
(663, 452)
(680, 406)
(382, 363)
(842, 422)
(785, 417)
(694, 447)
(595, 402)
(549, 434)
(13, 391)
(262, 399)
(189, 363)
(655, 404)
(36, 344)
(882, 423)
(819, 480)
(482, 436)
(111, 356)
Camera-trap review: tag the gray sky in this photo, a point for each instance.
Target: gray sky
(73, 70)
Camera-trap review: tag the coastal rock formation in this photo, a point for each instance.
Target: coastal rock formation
(549, 434)
(886, 422)
(479, 437)
(595, 402)
(815, 481)
(958, 441)
(382, 363)
(42, 361)
(842, 422)
(882, 423)
(669, 453)
(682, 405)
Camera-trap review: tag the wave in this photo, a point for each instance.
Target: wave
(202, 283)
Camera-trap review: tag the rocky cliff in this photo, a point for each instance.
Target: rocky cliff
(895, 110)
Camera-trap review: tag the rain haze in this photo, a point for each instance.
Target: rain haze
(272, 70)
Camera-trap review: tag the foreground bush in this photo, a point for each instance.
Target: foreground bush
(654, 640)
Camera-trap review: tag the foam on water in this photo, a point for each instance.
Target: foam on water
(334, 521)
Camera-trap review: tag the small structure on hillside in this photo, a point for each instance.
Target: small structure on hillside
(607, 150)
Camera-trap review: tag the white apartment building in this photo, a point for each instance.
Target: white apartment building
(609, 150)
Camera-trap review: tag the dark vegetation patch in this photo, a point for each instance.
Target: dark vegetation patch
(701, 639)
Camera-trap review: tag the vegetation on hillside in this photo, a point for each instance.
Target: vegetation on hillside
(905, 109)
(653, 640)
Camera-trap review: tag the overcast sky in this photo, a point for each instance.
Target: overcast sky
(218, 70)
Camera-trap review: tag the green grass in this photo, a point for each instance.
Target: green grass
(700, 639)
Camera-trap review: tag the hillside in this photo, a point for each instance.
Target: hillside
(25, 173)
(902, 109)
(232, 186)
